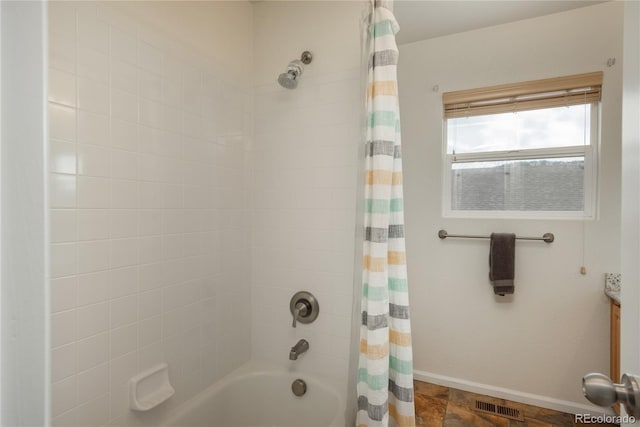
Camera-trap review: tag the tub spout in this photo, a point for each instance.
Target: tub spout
(301, 346)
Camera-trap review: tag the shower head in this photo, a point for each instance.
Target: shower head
(289, 79)
(295, 68)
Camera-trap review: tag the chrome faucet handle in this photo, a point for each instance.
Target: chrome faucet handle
(301, 309)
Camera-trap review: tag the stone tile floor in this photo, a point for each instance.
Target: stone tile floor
(439, 406)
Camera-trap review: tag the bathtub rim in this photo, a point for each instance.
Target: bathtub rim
(255, 368)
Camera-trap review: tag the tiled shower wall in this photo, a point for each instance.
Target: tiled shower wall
(148, 151)
(305, 188)
(305, 171)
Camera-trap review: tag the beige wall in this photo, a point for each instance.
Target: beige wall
(555, 328)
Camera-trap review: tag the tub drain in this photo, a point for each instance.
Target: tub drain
(299, 387)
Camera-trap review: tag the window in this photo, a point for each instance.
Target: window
(523, 150)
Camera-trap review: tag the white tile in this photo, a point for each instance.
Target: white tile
(124, 135)
(93, 224)
(62, 27)
(173, 222)
(124, 194)
(151, 168)
(93, 383)
(124, 252)
(124, 76)
(173, 198)
(62, 157)
(123, 368)
(123, 281)
(193, 98)
(93, 160)
(148, 139)
(150, 85)
(173, 323)
(93, 413)
(171, 93)
(62, 87)
(172, 246)
(62, 122)
(92, 319)
(150, 304)
(63, 259)
(64, 395)
(150, 219)
(124, 311)
(192, 125)
(172, 119)
(93, 96)
(93, 64)
(92, 351)
(170, 143)
(192, 244)
(124, 105)
(123, 223)
(151, 355)
(93, 256)
(124, 164)
(65, 420)
(150, 113)
(63, 225)
(124, 46)
(149, 58)
(150, 195)
(92, 33)
(63, 328)
(62, 51)
(93, 288)
(93, 128)
(63, 362)
(93, 192)
(124, 340)
(151, 276)
(150, 331)
(63, 294)
(150, 249)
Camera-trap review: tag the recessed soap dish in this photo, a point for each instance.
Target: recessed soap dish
(150, 388)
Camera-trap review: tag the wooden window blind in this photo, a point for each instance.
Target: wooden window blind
(555, 92)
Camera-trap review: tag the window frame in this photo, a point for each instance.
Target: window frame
(591, 165)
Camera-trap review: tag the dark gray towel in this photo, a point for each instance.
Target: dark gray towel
(502, 255)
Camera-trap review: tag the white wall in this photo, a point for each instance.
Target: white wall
(555, 328)
(25, 332)
(149, 143)
(304, 181)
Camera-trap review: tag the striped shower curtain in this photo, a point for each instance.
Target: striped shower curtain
(385, 368)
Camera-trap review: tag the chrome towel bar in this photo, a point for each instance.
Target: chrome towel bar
(546, 237)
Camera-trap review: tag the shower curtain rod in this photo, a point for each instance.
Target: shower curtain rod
(546, 237)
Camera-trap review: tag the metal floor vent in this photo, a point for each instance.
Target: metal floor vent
(499, 410)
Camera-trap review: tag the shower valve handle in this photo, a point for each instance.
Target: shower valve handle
(304, 308)
(301, 309)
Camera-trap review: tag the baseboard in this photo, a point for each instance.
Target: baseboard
(513, 395)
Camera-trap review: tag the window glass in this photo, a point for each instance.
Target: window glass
(543, 128)
(553, 184)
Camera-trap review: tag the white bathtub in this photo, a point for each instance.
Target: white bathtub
(260, 396)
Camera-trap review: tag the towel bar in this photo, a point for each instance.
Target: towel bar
(546, 237)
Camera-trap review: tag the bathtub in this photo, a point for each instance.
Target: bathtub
(258, 395)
